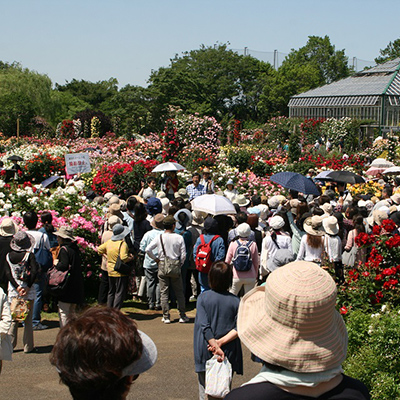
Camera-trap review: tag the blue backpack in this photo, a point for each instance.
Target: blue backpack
(242, 258)
(43, 256)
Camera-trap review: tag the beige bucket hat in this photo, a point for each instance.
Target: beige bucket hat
(292, 321)
(313, 225)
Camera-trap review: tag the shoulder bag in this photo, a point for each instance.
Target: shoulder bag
(121, 267)
(58, 280)
(169, 267)
(20, 309)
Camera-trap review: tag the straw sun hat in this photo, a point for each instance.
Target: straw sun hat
(292, 321)
(313, 225)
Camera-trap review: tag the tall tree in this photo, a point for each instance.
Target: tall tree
(315, 64)
(24, 94)
(390, 52)
(94, 94)
(211, 80)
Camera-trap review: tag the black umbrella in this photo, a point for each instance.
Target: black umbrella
(295, 181)
(15, 158)
(346, 177)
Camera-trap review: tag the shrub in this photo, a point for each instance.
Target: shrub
(374, 352)
(239, 158)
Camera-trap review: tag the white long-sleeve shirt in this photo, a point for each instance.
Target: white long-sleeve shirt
(174, 247)
(308, 253)
(269, 247)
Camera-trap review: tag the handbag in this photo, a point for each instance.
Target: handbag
(58, 280)
(121, 267)
(218, 377)
(20, 308)
(169, 267)
(349, 257)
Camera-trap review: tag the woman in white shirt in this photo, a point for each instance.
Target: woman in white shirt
(312, 244)
(274, 240)
(333, 246)
(230, 193)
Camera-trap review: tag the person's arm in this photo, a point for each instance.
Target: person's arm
(46, 242)
(205, 326)
(302, 249)
(152, 246)
(182, 251)
(196, 245)
(63, 260)
(255, 259)
(5, 321)
(102, 249)
(231, 335)
(350, 241)
(230, 253)
(220, 249)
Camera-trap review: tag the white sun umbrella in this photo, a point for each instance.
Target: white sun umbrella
(213, 204)
(381, 163)
(392, 171)
(168, 166)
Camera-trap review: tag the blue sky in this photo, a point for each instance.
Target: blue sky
(126, 39)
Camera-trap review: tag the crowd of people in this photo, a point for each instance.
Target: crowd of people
(161, 251)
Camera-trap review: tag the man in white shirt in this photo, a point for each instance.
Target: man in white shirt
(30, 221)
(172, 245)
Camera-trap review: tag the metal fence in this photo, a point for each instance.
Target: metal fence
(275, 58)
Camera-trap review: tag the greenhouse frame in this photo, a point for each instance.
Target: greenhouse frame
(372, 94)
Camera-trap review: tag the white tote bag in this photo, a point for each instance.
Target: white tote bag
(218, 377)
(349, 257)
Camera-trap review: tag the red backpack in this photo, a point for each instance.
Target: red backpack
(203, 259)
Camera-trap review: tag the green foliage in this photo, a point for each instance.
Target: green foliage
(294, 145)
(239, 158)
(261, 168)
(300, 167)
(92, 93)
(211, 81)
(133, 108)
(390, 52)
(66, 105)
(374, 352)
(313, 65)
(24, 95)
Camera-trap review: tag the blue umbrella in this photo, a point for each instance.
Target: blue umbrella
(295, 181)
(49, 181)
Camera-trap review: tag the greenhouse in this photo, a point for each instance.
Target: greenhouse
(373, 94)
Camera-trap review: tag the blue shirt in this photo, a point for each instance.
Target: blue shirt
(146, 240)
(216, 316)
(217, 247)
(195, 191)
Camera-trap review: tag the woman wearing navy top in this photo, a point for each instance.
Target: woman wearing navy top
(215, 324)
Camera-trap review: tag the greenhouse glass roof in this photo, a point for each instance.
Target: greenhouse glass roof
(363, 88)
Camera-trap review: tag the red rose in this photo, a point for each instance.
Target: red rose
(343, 310)
(376, 230)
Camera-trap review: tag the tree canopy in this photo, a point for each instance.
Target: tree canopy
(315, 64)
(390, 52)
(211, 80)
(24, 94)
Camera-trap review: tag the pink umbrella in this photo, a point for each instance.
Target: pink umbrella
(375, 171)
